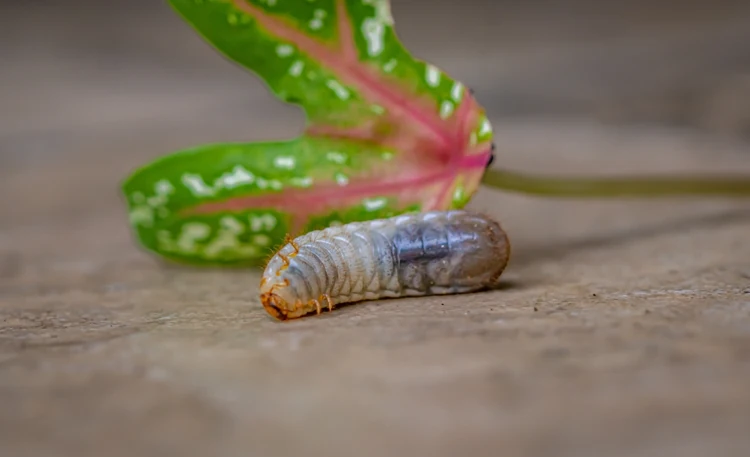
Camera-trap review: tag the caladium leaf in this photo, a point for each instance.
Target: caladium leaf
(386, 133)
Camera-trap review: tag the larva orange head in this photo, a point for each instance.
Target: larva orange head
(273, 286)
(271, 297)
(274, 305)
(279, 299)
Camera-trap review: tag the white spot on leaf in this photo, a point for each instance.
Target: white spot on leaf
(341, 179)
(275, 184)
(446, 109)
(262, 222)
(373, 31)
(227, 241)
(195, 184)
(237, 177)
(296, 68)
(284, 162)
(192, 232)
(457, 92)
(284, 50)
(231, 224)
(485, 128)
(157, 200)
(336, 157)
(340, 91)
(316, 22)
(164, 187)
(302, 182)
(432, 76)
(459, 193)
(372, 204)
(382, 10)
(142, 215)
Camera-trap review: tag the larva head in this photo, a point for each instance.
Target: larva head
(276, 295)
(273, 304)
(279, 301)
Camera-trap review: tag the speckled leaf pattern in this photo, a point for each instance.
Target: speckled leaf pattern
(386, 133)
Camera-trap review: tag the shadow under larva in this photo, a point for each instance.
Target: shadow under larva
(417, 254)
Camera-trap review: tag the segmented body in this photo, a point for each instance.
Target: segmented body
(432, 253)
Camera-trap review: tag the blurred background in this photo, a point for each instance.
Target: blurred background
(123, 82)
(90, 90)
(674, 62)
(685, 63)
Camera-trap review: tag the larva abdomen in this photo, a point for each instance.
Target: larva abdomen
(438, 252)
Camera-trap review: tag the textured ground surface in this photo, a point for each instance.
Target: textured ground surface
(622, 328)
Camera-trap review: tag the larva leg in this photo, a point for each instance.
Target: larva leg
(328, 300)
(318, 308)
(285, 258)
(289, 240)
(284, 283)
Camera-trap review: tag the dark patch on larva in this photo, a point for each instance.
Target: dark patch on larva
(424, 252)
(416, 246)
(459, 252)
(385, 257)
(420, 242)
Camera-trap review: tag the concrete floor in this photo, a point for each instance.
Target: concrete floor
(622, 327)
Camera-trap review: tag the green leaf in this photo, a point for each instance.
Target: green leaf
(385, 134)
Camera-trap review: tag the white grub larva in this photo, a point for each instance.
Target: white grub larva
(417, 254)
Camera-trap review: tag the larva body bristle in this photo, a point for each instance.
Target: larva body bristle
(432, 253)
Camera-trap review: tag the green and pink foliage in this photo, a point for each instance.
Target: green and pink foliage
(385, 134)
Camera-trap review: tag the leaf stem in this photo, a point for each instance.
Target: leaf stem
(632, 186)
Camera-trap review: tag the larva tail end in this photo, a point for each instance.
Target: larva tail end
(498, 242)
(502, 243)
